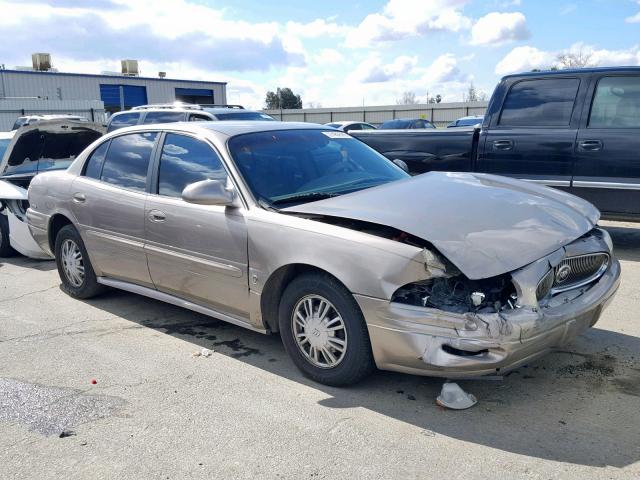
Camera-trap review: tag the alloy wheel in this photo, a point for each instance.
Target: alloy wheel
(72, 263)
(319, 331)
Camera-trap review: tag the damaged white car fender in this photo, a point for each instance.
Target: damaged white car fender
(13, 199)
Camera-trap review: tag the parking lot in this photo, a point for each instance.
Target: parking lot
(157, 411)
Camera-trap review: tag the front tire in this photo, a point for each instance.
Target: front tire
(5, 246)
(324, 332)
(74, 266)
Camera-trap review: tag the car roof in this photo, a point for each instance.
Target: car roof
(178, 109)
(216, 110)
(229, 128)
(574, 71)
(407, 120)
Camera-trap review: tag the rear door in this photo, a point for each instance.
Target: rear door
(108, 200)
(607, 169)
(534, 134)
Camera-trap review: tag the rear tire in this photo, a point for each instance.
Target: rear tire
(74, 266)
(324, 332)
(5, 246)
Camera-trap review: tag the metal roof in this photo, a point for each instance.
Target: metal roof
(123, 77)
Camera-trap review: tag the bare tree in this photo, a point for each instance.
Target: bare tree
(408, 98)
(471, 95)
(314, 105)
(474, 95)
(580, 59)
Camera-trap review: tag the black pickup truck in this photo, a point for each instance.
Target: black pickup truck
(577, 130)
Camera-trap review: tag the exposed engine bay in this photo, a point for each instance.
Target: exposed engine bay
(460, 295)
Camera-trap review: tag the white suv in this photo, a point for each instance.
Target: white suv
(181, 112)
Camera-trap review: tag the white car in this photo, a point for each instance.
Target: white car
(43, 145)
(30, 119)
(348, 126)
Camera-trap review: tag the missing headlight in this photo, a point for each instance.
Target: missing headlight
(460, 295)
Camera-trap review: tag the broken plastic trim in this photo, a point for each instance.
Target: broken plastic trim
(460, 295)
(17, 208)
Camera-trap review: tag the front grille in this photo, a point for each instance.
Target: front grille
(573, 272)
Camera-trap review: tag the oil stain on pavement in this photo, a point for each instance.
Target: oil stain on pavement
(52, 410)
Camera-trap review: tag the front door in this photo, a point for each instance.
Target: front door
(533, 137)
(196, 252)
(607, 168)
(108, 201)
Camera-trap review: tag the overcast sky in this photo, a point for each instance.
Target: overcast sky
(332, 52)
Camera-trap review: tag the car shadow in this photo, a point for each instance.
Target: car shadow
(32, 263)
(571, 406)
(626, 240)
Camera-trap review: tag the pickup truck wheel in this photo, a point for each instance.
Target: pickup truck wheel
(74, 266)
(324, 332)
(5, 247)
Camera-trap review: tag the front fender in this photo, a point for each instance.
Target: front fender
(364, 263)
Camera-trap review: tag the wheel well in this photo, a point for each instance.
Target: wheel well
(55, 225)
(275, 286)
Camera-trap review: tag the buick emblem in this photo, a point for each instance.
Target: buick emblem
(563, 273)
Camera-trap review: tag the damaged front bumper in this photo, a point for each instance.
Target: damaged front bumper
(428, 341)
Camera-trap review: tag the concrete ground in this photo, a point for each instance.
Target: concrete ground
(157, 411)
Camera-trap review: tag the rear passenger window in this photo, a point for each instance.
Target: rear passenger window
(123, 120)
(186, 160)
(163, 117)
(540, 103)
(127, 160)
(93, 167)
(616, 103)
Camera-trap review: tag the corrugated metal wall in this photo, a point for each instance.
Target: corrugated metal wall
(60, 86)
(12, 108)
(439, 113)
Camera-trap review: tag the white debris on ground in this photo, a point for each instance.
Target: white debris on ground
(454, 397)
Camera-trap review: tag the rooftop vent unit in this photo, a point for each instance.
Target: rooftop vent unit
(41, 62)
(130, 68)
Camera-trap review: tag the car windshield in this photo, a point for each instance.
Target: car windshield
(289, 167)
(244, 116)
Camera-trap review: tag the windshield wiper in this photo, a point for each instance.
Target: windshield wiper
(303, 197)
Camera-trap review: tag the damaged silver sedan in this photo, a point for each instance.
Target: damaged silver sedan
(305, 231)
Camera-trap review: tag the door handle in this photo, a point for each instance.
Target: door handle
(157, 216)
(79, 197)
(503, 145)
(590, 145)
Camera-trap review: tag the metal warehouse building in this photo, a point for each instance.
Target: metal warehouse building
(118, 92)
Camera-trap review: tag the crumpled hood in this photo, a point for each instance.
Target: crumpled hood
(485, 225)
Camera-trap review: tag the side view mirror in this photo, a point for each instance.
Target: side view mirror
(402, 164)
(209, 192)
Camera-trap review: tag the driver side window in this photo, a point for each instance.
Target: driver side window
(186, 160)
